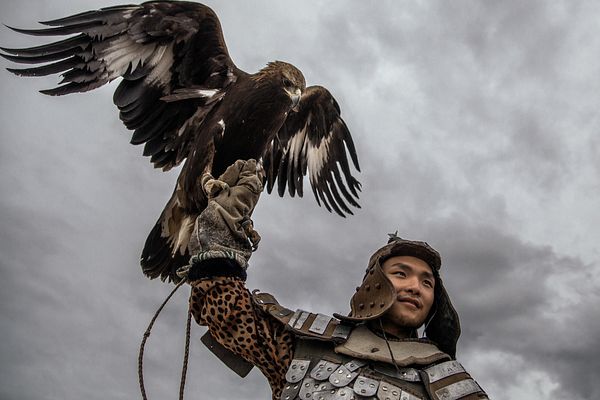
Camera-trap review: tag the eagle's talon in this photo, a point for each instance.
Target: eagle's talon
(214, 186)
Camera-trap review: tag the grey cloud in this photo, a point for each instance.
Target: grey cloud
(473, 66)
(513, 296)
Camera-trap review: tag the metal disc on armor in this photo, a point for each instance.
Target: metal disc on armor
(301, 320)
(458, 390)
(319, 324)
(341, 332)
(322, 370)
(443, 370)
(309, 386)
(297, 370)
(294, 317)
(324, 395)
(406, 374)
(344, 393)
(342, 376)
(365, 386)
(387, 391)
(408, 396)
(290, 391)
(354, 365)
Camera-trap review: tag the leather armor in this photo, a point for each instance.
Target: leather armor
(335, 361)
(361, 368)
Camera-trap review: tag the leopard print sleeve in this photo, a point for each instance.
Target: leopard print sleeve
(225, 306)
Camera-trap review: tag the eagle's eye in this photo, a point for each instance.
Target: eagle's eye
(287, 82)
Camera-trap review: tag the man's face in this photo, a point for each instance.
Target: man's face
(414, 283)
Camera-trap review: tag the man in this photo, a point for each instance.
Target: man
(374, 352)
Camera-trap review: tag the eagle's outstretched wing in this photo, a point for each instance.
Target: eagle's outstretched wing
(171, 55)
(314, 140)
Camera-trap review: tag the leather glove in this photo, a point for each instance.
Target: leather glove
(224, 229)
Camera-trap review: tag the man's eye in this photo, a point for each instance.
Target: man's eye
(400, 273)
(428, 283)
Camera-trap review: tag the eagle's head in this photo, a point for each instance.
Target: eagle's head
(289, 77)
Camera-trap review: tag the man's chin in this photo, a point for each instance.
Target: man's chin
(405, 316)
(404, 322)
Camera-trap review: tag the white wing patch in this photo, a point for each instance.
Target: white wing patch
(297, 144)
(122, 53)
(317, 156)
(222, 125)
(162, 59)
(208, 93)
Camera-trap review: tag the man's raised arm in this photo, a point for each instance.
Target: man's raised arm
(221, 244)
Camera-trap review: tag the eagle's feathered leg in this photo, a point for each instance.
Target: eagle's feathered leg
(166, 248)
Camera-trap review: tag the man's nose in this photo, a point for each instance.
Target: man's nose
(412, 285)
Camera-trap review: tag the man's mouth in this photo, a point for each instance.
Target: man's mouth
(410, 300)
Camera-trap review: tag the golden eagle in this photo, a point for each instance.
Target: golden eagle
(184, 99)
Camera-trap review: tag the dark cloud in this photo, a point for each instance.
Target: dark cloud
(516, 293)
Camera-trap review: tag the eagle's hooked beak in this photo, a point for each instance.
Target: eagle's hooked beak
(296, 100)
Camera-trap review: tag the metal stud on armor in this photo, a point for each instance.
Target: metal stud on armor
(330, 381)
(322, 373)
(365, 386)
(323, 370)
(297, 370)
(342, 376)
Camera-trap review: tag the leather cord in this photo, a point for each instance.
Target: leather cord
(147, 335)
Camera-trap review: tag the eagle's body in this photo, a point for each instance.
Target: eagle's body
(184, 99)
(244, 134)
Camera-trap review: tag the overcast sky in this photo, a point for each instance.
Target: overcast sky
(477, 130)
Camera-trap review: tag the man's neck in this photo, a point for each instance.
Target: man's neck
(393, 330)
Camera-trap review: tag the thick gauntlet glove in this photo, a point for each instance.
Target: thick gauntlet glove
(224, 229)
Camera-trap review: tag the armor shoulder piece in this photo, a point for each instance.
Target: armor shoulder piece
(318, 326)
(267, 303)
(449, 381)
(303, 323)
(364, 344)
